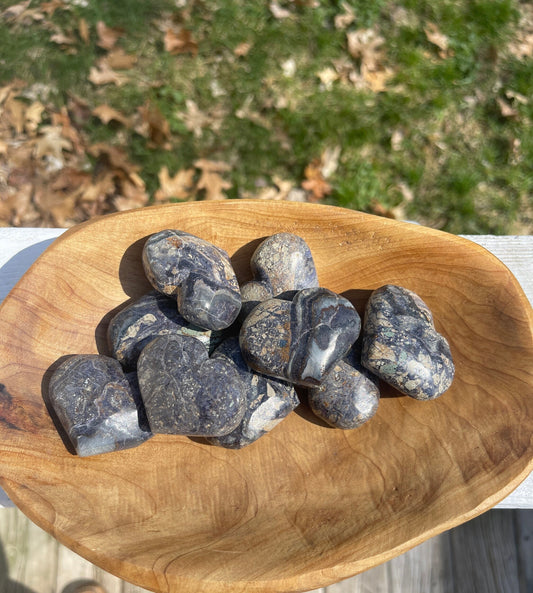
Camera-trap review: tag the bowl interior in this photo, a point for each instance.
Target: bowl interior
(306, 505)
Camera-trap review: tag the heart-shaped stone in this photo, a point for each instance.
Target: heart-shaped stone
(268, 400)
(96, 405)
(152, 315)
(199, 273)
(299, 340)
(401, 345)
(184, 392)
(348, 395)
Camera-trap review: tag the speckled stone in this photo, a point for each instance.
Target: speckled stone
(152, 315)
(284, 262)
(184, 392)
(299, 340)
(268, 400)
(198, 273)
(401, 345)
(348, 395)
(253, 293)
(96, 405)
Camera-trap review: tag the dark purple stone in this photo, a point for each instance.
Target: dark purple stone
(284, 262)
(299, 340)
(198, 273)
(268, 400)
(184, 392)
(154, 314)
(401, 345)
(96, 405)
(348, 395)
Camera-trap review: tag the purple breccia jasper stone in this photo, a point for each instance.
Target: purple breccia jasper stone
(96, 405)
(348, 395)
(184, 392)
(401, 345)
(268, 400)
(154, 314)
(284, 262)
(198, 273)
(299, 340)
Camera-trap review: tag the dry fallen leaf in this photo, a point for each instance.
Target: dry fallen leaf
(15, 11)
(279, 12)
(437, 37)
(377, 80)
(52, 6)
(195, 119)
(345, 18)
(32, 117)
(328, 76)
(114, 156)
(49, 147)
(153, 126)
(102, 73)
(180, 42)
(181, 186)
(210, 179)
(105, 113)
(314, 182)
(107, 36)
(83, 30)
(329, 161)
(366, 46)
(242, 49)
(118, 59)
(280, 191)
(506, 110)
(68, 130)
(14, 113)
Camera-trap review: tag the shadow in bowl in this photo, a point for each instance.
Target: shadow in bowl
(240, 260)
(131, 273)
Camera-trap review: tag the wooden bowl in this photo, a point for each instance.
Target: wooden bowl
(306, 505)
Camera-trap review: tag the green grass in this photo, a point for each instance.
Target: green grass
(456, 155)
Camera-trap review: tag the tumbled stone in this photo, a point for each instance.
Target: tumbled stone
(152, 315)
(253, 293)
(96, 405)
(184, 392)
(198, 273)
(348, 395)
(299, 340)
(268, 400)
(284, 262)
(401, 345)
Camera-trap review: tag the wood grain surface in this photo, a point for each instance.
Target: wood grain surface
(306, 505)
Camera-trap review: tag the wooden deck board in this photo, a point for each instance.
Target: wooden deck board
(490, 554)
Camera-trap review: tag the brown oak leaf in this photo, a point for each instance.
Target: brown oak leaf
(181, 186)
(105, 113)
(102, 73)
(211, 179)
(180, 42)
(107, 36)
(315, 182)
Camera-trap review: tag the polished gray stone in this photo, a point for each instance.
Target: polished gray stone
(348, 395)
(401, 345)
(198, 273)
(98, 407)
(184, 392)
(284, 262)
(154, 314)
(299, 340)
(268, 400)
